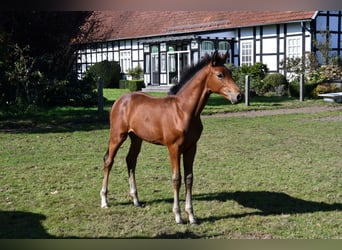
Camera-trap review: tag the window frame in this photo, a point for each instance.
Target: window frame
(125, 60)
(246, 53)
(294, 47)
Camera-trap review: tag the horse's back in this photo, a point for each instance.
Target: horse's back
(144, 115)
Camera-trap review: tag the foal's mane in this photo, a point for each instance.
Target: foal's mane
(188, 74)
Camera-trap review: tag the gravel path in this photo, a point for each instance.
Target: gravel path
(308, 110)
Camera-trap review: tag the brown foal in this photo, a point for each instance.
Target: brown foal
(173, 121)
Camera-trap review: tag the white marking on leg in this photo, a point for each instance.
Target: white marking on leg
(133, 189)
(103, 195)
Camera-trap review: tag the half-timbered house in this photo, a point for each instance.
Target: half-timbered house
(163, 43)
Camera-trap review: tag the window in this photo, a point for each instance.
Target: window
(125, 60)
(223, 45)
(207, 47)
(172, 63)
(223, 48)
(294, 47)
(246, 53)
(147, 63)
(155, 49)
(163, 62)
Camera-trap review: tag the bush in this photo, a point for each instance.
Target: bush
(330, 72)
(237, 76)
(109, 71)
(325, 88)
(136, 73)
(257, 72)
(24, 86)
(72, 92)
(132, 85)
(275, 83)
(308, 89)
(21, 79)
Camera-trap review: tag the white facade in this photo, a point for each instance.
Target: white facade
(163, 58)
(272, 43)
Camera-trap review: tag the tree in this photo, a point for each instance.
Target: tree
(109, 71)
(37, 57)
(48, 34)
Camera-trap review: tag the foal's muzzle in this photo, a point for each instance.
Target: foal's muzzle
(236, 99)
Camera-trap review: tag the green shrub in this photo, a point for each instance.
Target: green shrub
(308, 89)
(275, 83)
(24, 86)
(325, 88)
(330, 72)
(21, 81)
(132, 85)
(109, 71)
(257, 72)
(237, 76)
(72, 92)
(136, 73)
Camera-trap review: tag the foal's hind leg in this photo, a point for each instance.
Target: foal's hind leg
(114, 145)
(131, 161)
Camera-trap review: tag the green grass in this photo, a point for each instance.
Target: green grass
(64, 117)
(255, 177)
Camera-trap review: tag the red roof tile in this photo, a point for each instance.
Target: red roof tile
(113, 25)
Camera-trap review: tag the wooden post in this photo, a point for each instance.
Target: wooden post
(301, 88)
(247, 87)
(100, 95)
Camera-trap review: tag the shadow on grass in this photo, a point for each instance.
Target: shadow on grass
(22, 225)
(217, 100)
(68, 120)
(268, 203)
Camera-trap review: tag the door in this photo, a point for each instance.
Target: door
(155, 69)
(177, 62)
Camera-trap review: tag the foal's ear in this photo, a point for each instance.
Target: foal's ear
(215, 60)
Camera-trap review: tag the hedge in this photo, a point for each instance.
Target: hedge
(308, 88)
(132, 85)
(109, 71)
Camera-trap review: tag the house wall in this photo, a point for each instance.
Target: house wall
(267, 44)
(129, 53)
(270, 44)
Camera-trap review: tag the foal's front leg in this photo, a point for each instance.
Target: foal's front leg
(188, 160)
(176, 181)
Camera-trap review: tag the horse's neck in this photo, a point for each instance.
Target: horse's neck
(194, 95)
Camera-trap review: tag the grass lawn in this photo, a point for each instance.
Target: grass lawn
(76, 117)
(267, 177)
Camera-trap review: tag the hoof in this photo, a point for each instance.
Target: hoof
(139, 205)
(179, 221)
(104, 206)
(194, 223)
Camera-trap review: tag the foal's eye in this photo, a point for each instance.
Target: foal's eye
(220, 75)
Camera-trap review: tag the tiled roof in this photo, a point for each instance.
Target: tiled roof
(113, 25)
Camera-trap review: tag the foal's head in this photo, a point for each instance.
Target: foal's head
(220, 79)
